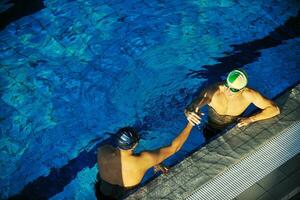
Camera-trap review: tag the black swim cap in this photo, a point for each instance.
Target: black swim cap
(127, 137)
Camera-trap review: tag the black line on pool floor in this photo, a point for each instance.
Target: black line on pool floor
(47, 186)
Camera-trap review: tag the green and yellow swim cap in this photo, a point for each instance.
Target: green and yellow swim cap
(237, 79)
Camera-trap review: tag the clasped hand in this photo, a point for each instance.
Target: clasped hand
(193, 118)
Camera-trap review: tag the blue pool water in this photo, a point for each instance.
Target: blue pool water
(73, 72)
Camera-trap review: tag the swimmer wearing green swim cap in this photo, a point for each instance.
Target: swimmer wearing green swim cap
(227, 101)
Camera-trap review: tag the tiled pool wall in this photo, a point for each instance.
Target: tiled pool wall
(74, 72)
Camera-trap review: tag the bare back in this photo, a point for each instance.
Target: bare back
(121, 167)
(109, 165)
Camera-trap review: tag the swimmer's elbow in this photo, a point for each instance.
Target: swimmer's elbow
(174, 147)
(164, 153)
(277, 110)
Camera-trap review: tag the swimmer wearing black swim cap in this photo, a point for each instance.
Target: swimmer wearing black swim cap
(120, 169)
(127, 138)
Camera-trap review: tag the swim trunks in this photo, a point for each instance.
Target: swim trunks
(108, 191)
(216, 123)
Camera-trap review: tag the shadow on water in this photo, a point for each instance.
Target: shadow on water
(249, 52)
(46, 187)
(18, 9)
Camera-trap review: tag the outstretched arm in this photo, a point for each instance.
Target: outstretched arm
(269, 108)
(157, 156)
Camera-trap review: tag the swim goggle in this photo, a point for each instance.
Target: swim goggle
(231, 89)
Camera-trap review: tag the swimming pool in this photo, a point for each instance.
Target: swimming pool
(74, 72)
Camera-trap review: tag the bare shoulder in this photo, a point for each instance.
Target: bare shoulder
(260, 101)
(216, 86)
(250, 93)
(106, 149)
(257, 98)
(105, 152)
(147, 157)
(212, 89)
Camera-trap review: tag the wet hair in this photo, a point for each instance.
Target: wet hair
(127, 137)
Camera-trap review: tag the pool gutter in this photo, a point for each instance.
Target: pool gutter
(252, 168)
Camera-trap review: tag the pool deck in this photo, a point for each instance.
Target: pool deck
(204, 167)
(282, 183)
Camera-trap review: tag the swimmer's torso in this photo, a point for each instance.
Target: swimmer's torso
(117, 169)
(225, 103)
